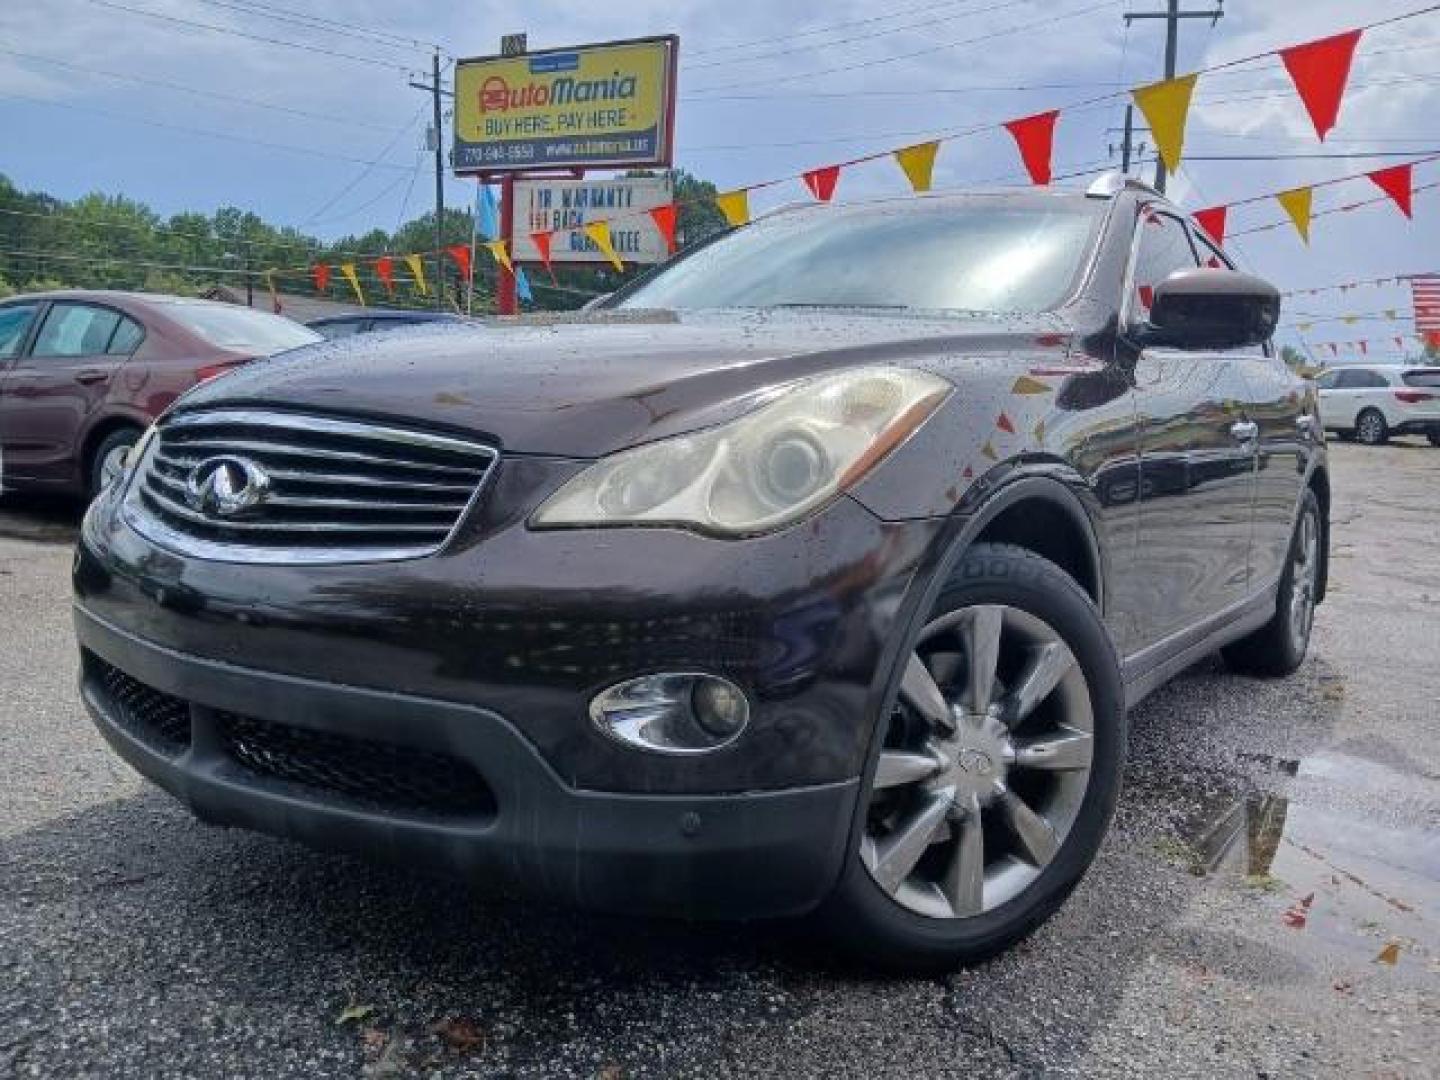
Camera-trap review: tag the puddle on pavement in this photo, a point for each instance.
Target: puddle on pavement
(1351, 883)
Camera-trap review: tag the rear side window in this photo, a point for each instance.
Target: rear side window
(127, 337)
(1163, 248)
(1328, 380)
(1360, 380)
(15, 321)
(75, 330)
(1429, 377)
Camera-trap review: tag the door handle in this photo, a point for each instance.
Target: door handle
(87, 376)
(1244, 431)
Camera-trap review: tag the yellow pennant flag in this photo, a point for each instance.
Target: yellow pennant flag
(918, 162)
(735, 205)
(348, 269)
(1304, 327)
(599, 231)
(1166, 105)
(417, 271)
(497, 249)
(1296, 202)
(274, 295)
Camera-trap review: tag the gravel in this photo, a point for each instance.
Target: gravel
(136, 942)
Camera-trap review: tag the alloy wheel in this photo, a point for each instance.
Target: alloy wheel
(1372, 429)
(1304, 578)
(985, 764)
(113, 464)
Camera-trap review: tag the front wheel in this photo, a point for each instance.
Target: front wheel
(1371, 429)
(997, 774)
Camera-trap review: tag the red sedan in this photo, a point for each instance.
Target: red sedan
(82, 373)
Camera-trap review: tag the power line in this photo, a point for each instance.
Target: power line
(208, 132)
(331, 118)
(368, 169)
(859, 65)
(316, 22)
(828, 29)
(196, 24)
(791, 49)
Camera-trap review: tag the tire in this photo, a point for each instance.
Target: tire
(1433, 436)
(1371, 429)
(1059, 751)
(1278, 647)
(107, 455)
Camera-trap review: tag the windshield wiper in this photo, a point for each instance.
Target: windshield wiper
(862, 307)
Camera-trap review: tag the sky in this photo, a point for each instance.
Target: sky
(316, 127)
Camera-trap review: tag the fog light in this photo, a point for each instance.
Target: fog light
(672, 713)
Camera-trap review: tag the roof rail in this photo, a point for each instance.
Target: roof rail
(1108, 185)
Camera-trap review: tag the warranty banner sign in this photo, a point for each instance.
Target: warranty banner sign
(563, 208)
(590, 106)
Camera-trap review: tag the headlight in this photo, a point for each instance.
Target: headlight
(761, 472)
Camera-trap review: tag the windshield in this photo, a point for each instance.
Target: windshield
(990, 254)
(241, 329)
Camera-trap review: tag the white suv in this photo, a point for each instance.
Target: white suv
(1373, 403)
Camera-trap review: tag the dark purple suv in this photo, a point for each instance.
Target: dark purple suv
(812, 574)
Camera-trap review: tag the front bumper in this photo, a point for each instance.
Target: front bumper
(488, 654)
(190, 725)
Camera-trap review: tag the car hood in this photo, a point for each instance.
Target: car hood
(587, 385)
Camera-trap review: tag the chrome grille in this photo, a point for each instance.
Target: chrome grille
(338, 490)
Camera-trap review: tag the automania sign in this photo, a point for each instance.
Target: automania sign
(563, 207)
(591, 106)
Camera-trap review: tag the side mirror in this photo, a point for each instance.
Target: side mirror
(1211, 309)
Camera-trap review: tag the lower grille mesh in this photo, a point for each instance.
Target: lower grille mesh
(159, 720)
(382, 775)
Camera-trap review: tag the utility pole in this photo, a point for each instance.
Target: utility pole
(436, 91)
(1172, 16)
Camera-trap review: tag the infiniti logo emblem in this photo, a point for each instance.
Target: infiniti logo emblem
(975, 761)
(226, 486)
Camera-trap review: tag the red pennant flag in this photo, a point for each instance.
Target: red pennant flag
(1399, 343)
(821, 182)
(664, 218)
(1213, 222)
(1004, 424)
(461, 254)
(321, 275)
(1395, 182)
(541, 240)
(385, 271)
(1320, 70)
(1432, 338)
(1035, 135)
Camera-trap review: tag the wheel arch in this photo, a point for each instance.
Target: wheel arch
(965, 528)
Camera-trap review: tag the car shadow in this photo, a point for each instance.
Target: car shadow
(46, 519)
(135, 909)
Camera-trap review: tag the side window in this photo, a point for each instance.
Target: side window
(15, 321)
(1360, 379)
(75, 330)
(1162, 248)
(1328, 380)
(127, 337)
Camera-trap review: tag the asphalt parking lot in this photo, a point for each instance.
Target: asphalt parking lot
(1268, 903)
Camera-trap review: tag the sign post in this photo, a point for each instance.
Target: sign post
(604, 106)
